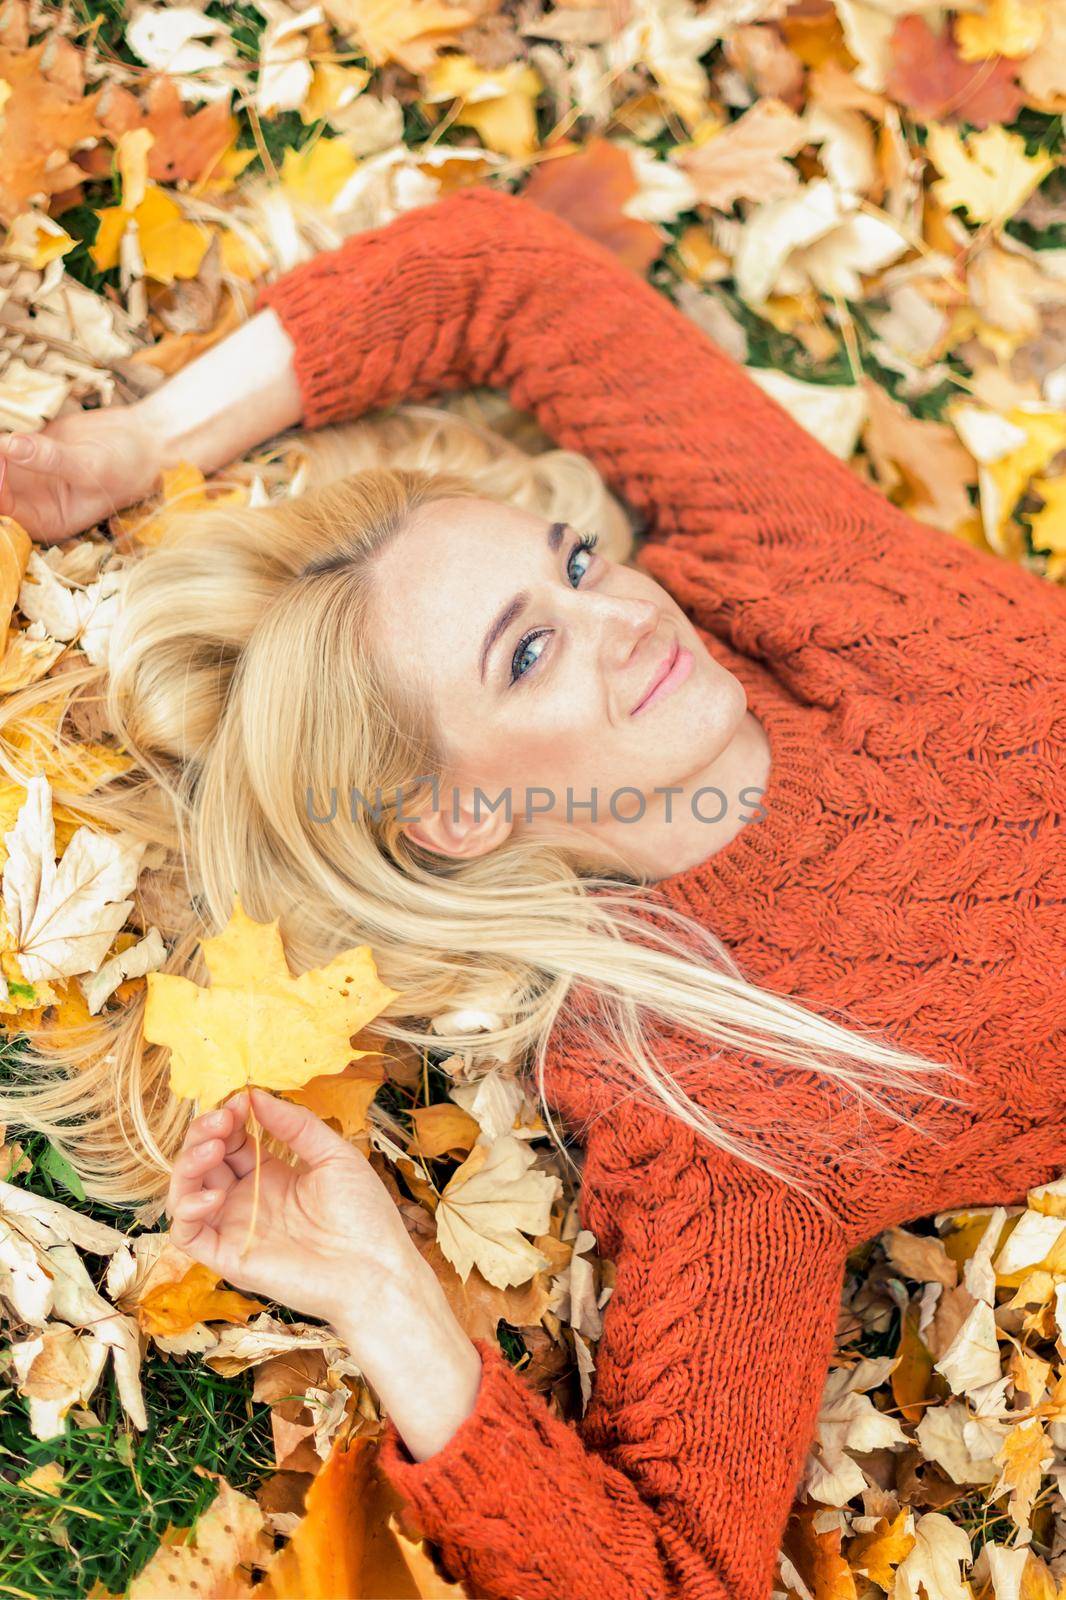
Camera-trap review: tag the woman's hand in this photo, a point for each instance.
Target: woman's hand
(327, 1240)
(320, 1229)
(80, 468)
(87, 465)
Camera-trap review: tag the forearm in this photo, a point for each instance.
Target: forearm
(484, 288)
(424, 1369)
(228, 400)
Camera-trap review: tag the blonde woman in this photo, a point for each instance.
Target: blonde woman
(796, 978)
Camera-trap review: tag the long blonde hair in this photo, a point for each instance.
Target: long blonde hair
(243, 681)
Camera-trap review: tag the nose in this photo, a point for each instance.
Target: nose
(626, 623)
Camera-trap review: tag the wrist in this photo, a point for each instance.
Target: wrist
(418, 1359)
(237, 394)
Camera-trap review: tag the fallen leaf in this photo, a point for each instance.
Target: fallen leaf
(324, 1558)
(588, 187)
(170, 246)
(41, 122)
(174, 1307)
(15, 547)
(745, 159)
(184, 147)
(989, 174)
(930, 77)
(488, 1204)
(877, 1554)
(343, 1098)
(1024, 1457)
(216, 1557)
(442, 1128)
(411, 32)
(61, 920)
(143, 956)
(925, 468)
(1003, 28)
(257, 1024)
(171, 38)
(498, 104)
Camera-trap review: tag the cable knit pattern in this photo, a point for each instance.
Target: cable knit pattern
(908, 877)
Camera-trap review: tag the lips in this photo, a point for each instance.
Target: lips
(661, 672)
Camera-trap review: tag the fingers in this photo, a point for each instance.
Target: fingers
(307, 1135)
(191, 1228)
(37, 453)
(239, 1155)
(211, 1141)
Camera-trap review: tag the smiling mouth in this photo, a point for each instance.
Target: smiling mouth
(663, 672)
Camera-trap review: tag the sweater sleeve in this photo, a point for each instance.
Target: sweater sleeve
(678, 1480)
(485, 288)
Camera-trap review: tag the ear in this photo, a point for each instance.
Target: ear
(454, 829)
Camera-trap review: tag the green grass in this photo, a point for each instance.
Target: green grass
(122, 1489)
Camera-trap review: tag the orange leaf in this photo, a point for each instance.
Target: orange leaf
(911, 1375)
(878, 1553)
(324, 1558)
(588, 187)
(343, 1098)
(42, 121)
(819, 1560)
(929, 77)
(175, 1307)
(184, 147)
(441, 1128)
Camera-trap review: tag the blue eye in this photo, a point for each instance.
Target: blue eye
(586, 543)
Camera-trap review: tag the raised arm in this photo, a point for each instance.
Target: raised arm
(486, 288)
(678, 1480)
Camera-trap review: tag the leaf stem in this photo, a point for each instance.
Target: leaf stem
(255, 1182)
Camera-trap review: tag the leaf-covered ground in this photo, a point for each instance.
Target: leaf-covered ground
(861, 200)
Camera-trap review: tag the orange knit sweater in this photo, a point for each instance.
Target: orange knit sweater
(909, 873)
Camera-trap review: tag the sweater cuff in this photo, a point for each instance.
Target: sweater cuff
(488, 1444)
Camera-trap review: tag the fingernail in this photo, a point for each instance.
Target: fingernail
(20, 448)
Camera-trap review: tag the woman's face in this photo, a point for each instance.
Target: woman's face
(532, 655)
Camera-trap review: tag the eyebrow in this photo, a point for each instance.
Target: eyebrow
(515, 607)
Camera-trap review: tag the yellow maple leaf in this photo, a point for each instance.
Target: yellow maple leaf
(331, 87)
(498, 104)
(990, 174)
(171, 247)
(174, 1307)
(1007, 28)
(15, 547)
(1049, 523)
(408, 31)
(877, 1554)
(317, 173)
(1010, 449)
(184, 488)
(1023, 1457)
(257, 1024)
